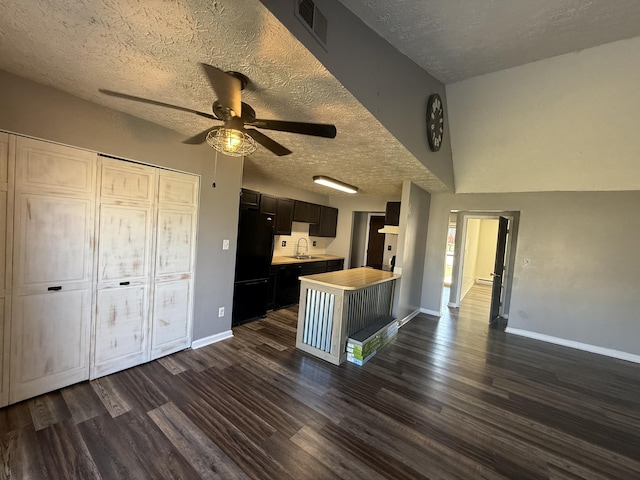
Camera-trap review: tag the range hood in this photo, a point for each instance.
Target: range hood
(391, 218)
(392, 229)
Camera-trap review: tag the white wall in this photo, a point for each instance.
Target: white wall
(470, 255)
(581, 283)
(487, 240)
(42, 112)
(568, 123)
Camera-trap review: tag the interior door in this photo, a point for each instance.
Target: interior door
(127, 194)
(498, 271)
(174, 263)
(375, 244)
(53, 267)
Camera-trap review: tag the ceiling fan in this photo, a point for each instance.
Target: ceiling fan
(232, 137)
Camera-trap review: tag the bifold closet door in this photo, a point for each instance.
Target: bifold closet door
(53, 259)
(174, 263)
(125, 242)
(6, 216)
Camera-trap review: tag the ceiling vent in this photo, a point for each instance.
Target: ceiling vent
(313, 19)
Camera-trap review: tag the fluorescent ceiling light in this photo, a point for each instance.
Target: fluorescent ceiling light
(338, 185)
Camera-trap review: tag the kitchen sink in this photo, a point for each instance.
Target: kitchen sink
(302, 257)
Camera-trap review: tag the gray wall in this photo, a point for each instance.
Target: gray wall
(584, 271)
(358, 239)
(34, 110)
(392, 87)
(414, 217)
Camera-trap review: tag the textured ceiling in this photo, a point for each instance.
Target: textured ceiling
(150, 48)
(458, 39)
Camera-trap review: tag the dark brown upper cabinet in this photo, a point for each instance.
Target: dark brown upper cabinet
(249, 198)
(392, 214)
(328, 223)
(284, 216)
(268, 204)
(306, 212)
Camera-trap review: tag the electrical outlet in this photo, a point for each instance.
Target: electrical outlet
(221, 312)
(225, 244)
(284, 243)
(315, 244)
(389, 247)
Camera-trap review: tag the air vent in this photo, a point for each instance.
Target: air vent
(313, 19)
(305, 10)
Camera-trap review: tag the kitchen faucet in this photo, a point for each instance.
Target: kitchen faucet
(306, 246)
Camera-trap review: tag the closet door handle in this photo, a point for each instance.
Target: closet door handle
(125, 283)
(54, 289)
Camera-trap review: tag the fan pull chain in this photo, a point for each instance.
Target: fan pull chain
(215, 170)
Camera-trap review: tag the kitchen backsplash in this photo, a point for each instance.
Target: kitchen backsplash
(299, 230)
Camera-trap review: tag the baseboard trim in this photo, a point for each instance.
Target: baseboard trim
(203, 342)
(406, 319)
(433, 313)
(608, 352)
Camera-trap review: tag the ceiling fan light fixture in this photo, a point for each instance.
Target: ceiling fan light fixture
(333, 183)
(232, 142)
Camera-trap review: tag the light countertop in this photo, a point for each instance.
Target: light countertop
(352, 279)
(316, 258)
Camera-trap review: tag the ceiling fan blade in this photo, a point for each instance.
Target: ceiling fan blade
(126, 96)
(268, 143)
(227, 88)
(315, 129)
(199, 138)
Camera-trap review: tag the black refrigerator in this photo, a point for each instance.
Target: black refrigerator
(253, 262)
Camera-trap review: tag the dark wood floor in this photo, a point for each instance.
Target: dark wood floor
(446, 399)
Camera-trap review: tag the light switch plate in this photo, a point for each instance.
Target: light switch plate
(225, 244)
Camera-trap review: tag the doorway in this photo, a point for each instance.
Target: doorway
(483, 260)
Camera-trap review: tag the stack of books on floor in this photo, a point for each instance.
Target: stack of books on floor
(364, 344)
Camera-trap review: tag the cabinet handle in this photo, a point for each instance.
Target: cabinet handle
(125, 283)
(54, 289)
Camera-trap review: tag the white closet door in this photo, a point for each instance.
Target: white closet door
(174, 263)
(53, 267)
(6, 216)
(127, 195)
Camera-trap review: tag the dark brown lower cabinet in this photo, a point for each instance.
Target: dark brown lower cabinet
(284, 286)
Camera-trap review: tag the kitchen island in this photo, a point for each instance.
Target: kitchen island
(336, 305)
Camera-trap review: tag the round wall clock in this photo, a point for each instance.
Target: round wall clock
(435, 122)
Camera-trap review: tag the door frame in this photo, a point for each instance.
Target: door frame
(458, 256)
